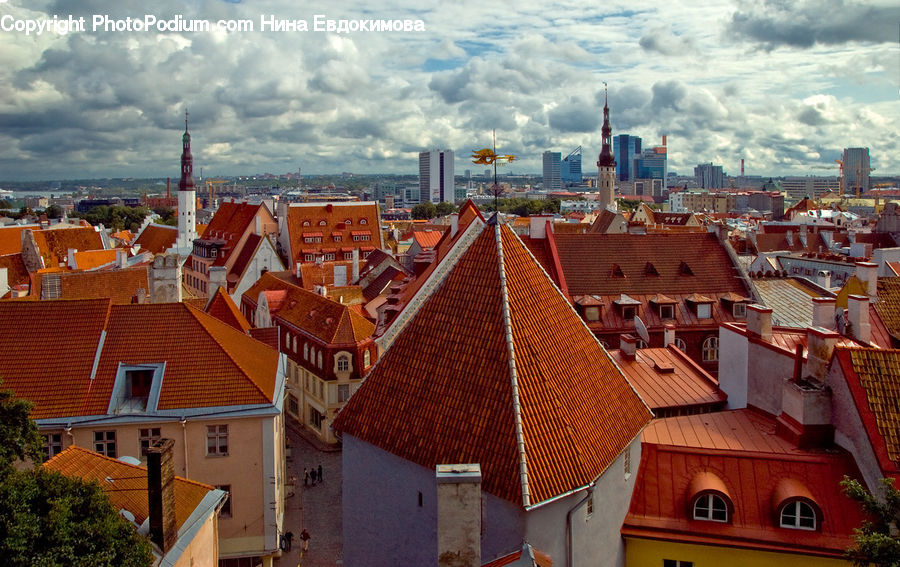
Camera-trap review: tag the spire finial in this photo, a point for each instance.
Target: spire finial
(605, 94)
(185, 120)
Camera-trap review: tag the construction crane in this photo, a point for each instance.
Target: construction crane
(211, 190)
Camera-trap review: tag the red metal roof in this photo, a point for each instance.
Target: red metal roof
(577, 410)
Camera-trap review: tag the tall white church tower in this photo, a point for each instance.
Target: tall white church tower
(606, 164)
(187, 198)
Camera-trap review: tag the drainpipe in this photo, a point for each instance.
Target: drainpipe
(570, 553)
(183, 423)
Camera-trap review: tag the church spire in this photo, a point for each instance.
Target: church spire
(187, 160)
(606, 164)
(606, 157)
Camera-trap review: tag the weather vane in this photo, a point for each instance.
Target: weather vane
(489, 156)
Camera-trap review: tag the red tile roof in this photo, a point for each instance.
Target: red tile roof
(587, 259)
(17, 273)
(157, 238)
(427, 238)
(126, 485)
(121, 286)
(229, 224)
(873, 376)
(55, 243)
(222, 307)
(91, 259)
(48, 349)
(669, 381)
(11, 238)
(738, 454)
(577, 410)
(308, 217)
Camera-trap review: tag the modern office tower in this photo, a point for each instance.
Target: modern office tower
(856, 170)
(570, 167)
(436, 181)
(552, 181)
(651, 164)
(709, 176)
(625, 149)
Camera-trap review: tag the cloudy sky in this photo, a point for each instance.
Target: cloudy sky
(783, 84)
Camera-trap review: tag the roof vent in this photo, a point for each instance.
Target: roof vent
(650, 270)
(617, 272)
(684, 269)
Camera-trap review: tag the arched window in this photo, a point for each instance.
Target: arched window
(367, 359)
(306, 223)
(323, 222)
(319, 361)
(305, 351)
(363, 221)
(679, 344)
(711, 349)
(343, 363)
(799, 515)
(711, 507)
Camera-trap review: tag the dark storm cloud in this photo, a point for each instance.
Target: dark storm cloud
(575, 116)
(823, 22)
(668, 95)
(812, 116)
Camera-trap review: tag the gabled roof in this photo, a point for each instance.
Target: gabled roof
(603, 221)
(121, 286)
(49, 349)
(427, 239)
(586, 259)
(16, 273)
(222, 307)
(496, 368)
(873, 376)
(157, 238)
(92, 259)
(126, 485)
(11, 238)
(328, 218)
(54, 244)
(230, 221)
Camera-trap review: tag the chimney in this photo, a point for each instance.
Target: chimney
(4, 281)
(141, 296)
(628, 345)
(259, 231)
(454, 224)
(823, 312)
(820, 345)
(803, 235)
(298, 272)
(165, 279)
(121, 258)
(858, 313)
(340, 275)
(759, 322)
(867, 272)
(217, 278)
(355, 265)
(537, 226)
(823, 278)
(161, 494)
(806, 403)
(459, 515)
(70, 256)
(668, 335)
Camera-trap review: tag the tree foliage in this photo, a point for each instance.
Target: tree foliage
(878, 539)
(424, 211)
(19, 437)
(525, 207)
(117, 217)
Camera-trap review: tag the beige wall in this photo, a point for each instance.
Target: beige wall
(203, 551)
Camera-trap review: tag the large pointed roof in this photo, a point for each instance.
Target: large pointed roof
(496, 368)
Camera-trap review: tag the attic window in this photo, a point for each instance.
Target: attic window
(348, 221)
(363, 221)
(306, 223)
(616, 272)
(666, 311)
(798, 515)
(739, 310)
(323, 222)
(628, 312)
(684, 269)
(711, 507)
(650, 270)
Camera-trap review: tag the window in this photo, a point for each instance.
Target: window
(420, 499)
(105, 443)
(592, 313)
(295, 343)
(337, 238)
(315, 418)
(680, 345)
(626, 463)
(308, 257)
(305, 351)
(348, 255)
(711, 507)
(293, 404)
(360, 237)
(321, 385)
(363, 221)
(343, 392)
(704, 311)
(590, 505)
(666, 311)
(739, 310)
(225, 512)
(319, 359)
(367, 359)
(329, 257)
(343, 363)
(323, 222)
(216, 440)
(798, 515)
(137, 387)
(147, 437)
(677, 563)
(306, 223)
(52, 445)
(628, 313)
(711, 349)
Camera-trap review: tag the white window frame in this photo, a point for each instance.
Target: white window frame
(218, 433)
(705, 508)
(795, 509)
(711, 349)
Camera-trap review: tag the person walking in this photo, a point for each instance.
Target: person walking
(305, 476)
(304, 537)
(320, 473)
(289, 538)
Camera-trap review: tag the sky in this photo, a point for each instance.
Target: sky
(783, 84)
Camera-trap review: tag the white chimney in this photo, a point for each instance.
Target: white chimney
(454, 224)
(71, 258)
(298, 272)
(759, 321)
(340, 275)
(820, 345)
(858, 313)
(537, 226)
(668, 335)
(121, 258)
(217, 278)
(4, 281)
(628, 345)
(355, 265)
(790, 237)
(823, 312)
(867, 272)
(823, 278)
(459, 515)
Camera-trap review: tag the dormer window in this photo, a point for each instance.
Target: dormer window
(739, 310)
(684, 269)
(363, 221)
(798, 515)
(616, 272)
(323, 222)
(343, 363)
(650, 270)
(138, 383)
(711, 507)
(628, 312)
(704, 310)
(136, 388)
(666, 311)
(306, 223)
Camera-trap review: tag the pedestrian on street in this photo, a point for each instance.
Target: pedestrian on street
(320, 473)
(289, 538)
(305, 476)
(304, 536)
(312, 475)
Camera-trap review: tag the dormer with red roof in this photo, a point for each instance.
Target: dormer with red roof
(313, 232)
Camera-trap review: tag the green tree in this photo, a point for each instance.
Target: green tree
(19, 437)
(424, 211)
(443, 209)
(878, 539)
(54, 212)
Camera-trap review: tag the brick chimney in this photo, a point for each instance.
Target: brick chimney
(867, 272)
(759, 322)
(858, 313)
(668, 335)
(823, 312)
(628, 345)
(459, 515)
(161, 494)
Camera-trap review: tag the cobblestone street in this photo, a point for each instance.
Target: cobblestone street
(316, 508)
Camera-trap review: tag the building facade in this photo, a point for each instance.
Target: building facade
(436, 177)
(552, 179)
(856, 170)
(625, 148)
(709, 176)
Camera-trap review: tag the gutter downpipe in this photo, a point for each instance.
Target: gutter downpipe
(184, 442)
(570, 553)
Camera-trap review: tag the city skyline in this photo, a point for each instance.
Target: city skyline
(785, 88)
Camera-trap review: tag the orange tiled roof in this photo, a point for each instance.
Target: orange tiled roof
(427, 239)
(121, 286)
(11, 238)
(309, 217)
(47, 352)
(873, 376)
(157, 238)
(322, 273)
(458, 340)
(16, 273)
(740, 454)
(125, 484)
(55, 243)
(222, 307)
(91, 259)
(588, 259)
(888, 304)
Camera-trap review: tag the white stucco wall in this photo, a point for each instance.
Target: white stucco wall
(733, 367)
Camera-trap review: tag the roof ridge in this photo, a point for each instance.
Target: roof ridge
(507, 327)
(193, 311)
(76, 448)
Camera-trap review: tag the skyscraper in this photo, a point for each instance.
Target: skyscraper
(552, 181)
(436, 177)
(856, 170)
(625, 148)
(709, 176)
(570, 167)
